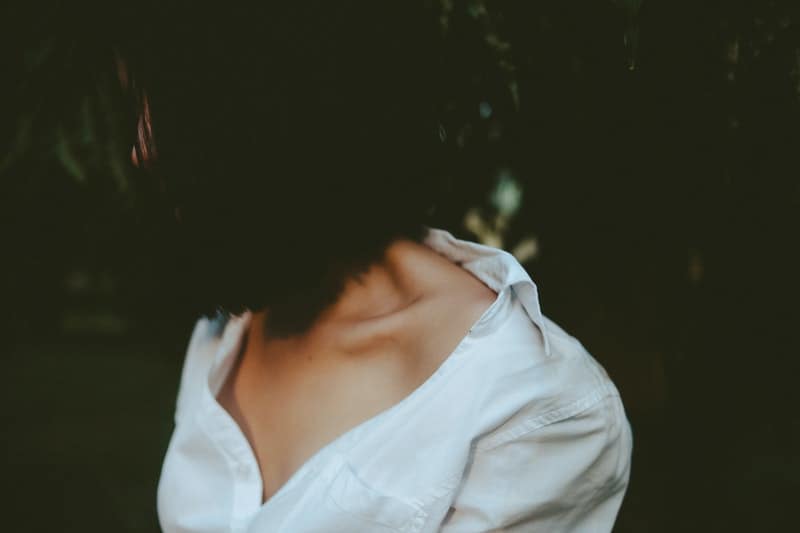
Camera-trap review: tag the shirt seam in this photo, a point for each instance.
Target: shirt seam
(529, 425)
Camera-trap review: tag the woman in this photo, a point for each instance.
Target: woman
(363, 370)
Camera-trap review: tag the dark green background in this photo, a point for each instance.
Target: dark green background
(657, 143)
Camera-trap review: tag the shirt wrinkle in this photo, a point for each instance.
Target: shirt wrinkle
(535, 421)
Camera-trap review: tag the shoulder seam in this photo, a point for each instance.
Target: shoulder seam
(529, 425)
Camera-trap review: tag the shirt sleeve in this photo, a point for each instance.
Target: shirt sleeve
(551, 473)
(196, 363)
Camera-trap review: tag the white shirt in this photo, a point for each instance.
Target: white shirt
(519, 429)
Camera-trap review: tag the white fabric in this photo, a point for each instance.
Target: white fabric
(520, 429)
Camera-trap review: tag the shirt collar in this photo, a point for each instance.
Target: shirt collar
(495, 267)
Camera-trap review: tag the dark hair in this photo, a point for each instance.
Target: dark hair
(296, 140)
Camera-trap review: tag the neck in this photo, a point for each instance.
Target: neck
(375, 307)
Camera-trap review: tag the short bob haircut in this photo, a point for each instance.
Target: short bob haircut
(295, 140)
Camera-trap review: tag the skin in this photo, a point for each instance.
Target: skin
(381, 340)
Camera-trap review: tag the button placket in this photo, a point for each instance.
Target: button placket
(247, 495)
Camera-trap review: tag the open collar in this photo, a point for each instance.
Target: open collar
(495, 267)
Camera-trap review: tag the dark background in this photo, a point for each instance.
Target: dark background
(655, 145)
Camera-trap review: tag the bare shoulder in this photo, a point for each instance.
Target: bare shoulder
(442, 320)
